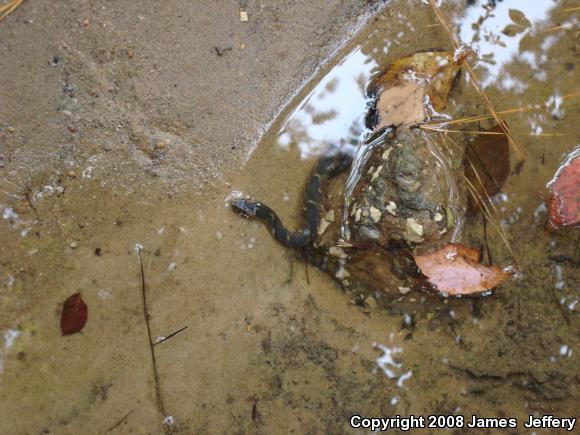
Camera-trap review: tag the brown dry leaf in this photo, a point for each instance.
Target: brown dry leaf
(403, 86)
(74, 314)
(455, 270)
(489, 156)
(401, 104)
(565, 200)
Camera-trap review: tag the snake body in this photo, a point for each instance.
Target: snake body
(326, 168)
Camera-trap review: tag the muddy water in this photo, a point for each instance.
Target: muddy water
(270, 342)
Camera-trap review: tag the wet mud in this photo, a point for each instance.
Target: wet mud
(123, 125)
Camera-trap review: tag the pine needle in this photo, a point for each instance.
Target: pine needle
(444, 130)
(503, 112)
(570, 95)
(456, 45)
(9, 7)
(576, 8)
(484, 117)
(484, 203)
(552, 29)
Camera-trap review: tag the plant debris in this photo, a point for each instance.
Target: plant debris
(9, 7)
(408, 81)
(565, 199)
(455, 270)
(521, 153)
(488, 166)
(74, 315)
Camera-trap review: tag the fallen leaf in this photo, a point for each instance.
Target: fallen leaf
(488, 162)
(407, 82)
(565, 200)
(403, 104)
(455, 269)
(74, 314)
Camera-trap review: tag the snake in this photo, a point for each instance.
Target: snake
(328, 166)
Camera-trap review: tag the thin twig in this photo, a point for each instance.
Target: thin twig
(27, 196)
(120, 422)
(489, 259)
(502, 112)
(170, 335)
(551, 29)
(577, 8)
(483, 117)
(160, 403)
(494, 133)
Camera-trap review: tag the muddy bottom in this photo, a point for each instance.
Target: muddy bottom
(271, 344)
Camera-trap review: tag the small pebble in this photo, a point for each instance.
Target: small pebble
(404, 290)
(74, 245)
(371, 302)
(392, 208)
(375, 214)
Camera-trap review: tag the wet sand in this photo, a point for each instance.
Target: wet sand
(127, 126)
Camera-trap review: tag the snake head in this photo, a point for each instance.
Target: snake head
(243, 205)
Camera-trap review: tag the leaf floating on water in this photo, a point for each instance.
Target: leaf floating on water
(565, 200)
(74, 315)
(403, 104)
(403, 87)
(455, 270)
(488, 162)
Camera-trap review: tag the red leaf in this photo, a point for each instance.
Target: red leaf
(565, 200)
(455, 270)
(74, 314)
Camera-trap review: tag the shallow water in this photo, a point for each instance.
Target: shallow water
(530, 65)
(271, 342)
